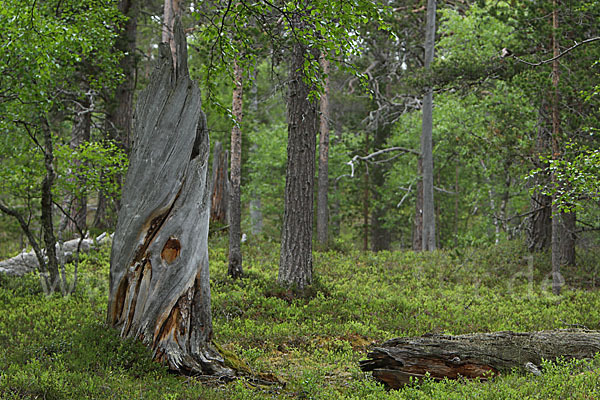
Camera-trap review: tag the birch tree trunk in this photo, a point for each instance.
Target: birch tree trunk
(429, 242)
(159, 276)
(235, 207)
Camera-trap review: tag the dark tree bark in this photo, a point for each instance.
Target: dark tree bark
(80, 134)
(120, 106)
(429, 238)
(159, 275)
(219, 200)
(295, 262)
(235, 207)
(567, 238)
(52, 279)
(563, 225)
(477, 355)
(323, 181)
(119, 111)
(539, 229)
(381, 236)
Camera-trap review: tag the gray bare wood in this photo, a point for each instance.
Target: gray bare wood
(159, 277)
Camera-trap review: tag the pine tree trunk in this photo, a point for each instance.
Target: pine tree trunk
(159, 277)
(235, 218)
(381, 236)
(120, 103)
(295, 263)
(323, 181)
(539, 229)
(80, 134)
(219, 199)
(429, 238)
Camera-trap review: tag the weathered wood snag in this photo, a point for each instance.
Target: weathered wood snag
(476, 355)
(159, 278)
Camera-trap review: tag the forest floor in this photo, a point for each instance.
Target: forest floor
(59, 348)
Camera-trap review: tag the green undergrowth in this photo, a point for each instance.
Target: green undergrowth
(303, 345)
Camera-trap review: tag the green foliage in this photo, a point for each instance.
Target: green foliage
(92, 166)
(577, 171)
(58, 347)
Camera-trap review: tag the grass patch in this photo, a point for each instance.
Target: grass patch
(307, 343)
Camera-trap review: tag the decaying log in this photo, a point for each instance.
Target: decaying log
(26, 262)
(159, 277)
(476, 355)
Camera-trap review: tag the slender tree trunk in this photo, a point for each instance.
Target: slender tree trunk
(159, 275)
(80, 134)
(219, 208)
(170, 11)
(323, 182)
(539, 229)
(119, 115)
(39, 254)
(381, 236)
(295, 264)
(418, 221)
(429, 238)
(560, 235)
(366, 193)
(235, 230)
(47, 205)
(256, 217)
(456, 204)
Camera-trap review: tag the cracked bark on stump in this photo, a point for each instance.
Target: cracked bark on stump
(159, 277)
(476, 355)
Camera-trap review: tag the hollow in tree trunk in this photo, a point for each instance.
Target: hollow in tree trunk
(159, 277)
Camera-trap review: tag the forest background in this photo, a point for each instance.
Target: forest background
(515, 119)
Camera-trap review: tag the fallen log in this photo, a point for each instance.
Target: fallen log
(26, 262)
(476, 355)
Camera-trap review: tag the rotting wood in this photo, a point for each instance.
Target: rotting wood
(476, 355)
(159, 277)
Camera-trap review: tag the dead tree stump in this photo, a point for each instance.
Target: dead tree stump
(159, 277)
(476, 355)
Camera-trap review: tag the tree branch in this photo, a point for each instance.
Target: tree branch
(559, 55)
